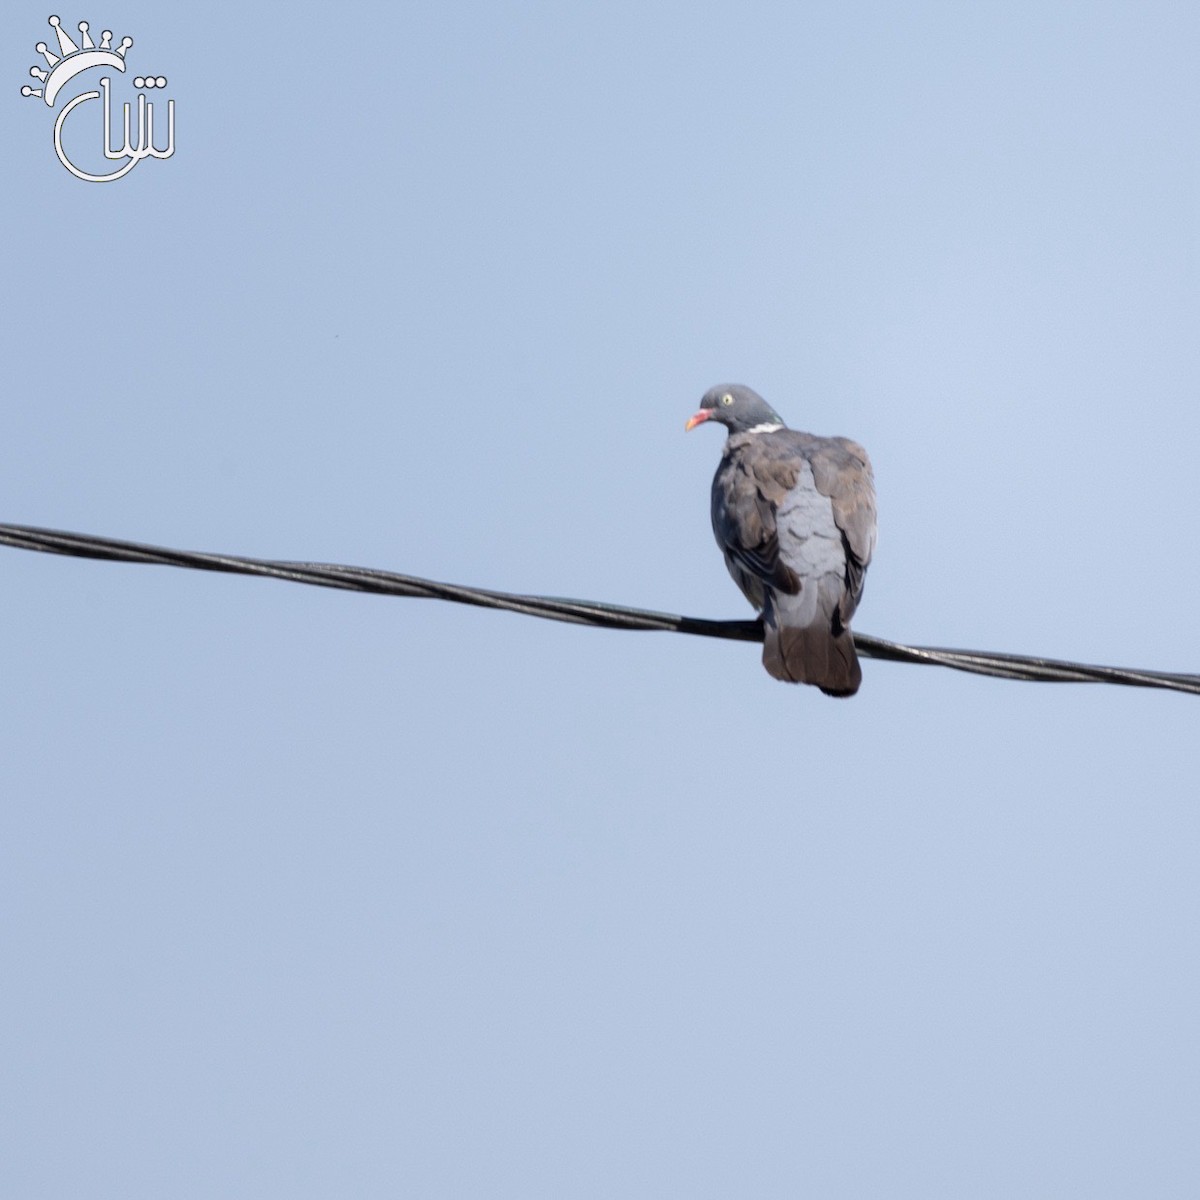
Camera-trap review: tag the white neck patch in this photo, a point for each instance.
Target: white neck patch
(765, 427)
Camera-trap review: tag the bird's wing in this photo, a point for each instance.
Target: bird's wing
(842, 471)
(749, 485)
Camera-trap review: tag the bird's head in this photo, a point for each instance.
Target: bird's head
(738, 408)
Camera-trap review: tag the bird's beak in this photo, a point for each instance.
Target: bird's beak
(702, 415)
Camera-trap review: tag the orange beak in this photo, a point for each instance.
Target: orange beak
(701, 416)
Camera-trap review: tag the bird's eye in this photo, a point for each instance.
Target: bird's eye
(727, 399)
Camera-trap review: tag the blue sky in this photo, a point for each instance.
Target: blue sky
(308, 893)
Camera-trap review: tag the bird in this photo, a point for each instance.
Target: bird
(794, 516)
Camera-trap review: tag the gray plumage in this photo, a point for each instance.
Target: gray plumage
(794, 516)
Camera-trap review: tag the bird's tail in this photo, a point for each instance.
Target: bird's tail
(811, 654)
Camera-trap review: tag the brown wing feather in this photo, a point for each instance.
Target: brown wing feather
(842, 471)
(748, 486)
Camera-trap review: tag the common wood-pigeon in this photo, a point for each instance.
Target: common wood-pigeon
(794, 515)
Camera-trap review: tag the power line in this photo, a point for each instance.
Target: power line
(580, 612)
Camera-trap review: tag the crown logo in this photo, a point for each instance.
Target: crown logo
(72, 59)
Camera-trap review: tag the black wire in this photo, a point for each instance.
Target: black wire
(580, 612)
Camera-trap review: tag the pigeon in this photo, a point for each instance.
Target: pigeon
(794, 515)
